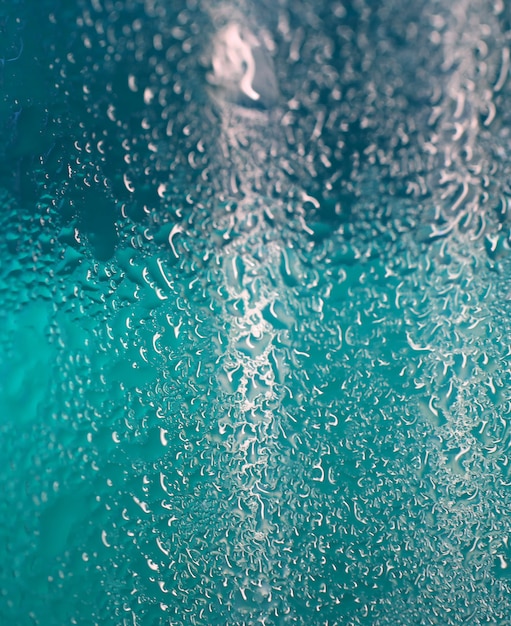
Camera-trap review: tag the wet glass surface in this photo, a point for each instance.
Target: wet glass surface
(255, 349)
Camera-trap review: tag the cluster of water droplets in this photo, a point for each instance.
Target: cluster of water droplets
(263, 327)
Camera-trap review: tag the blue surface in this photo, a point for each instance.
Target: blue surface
(255, 349)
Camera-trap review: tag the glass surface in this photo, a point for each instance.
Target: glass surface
(255, 327)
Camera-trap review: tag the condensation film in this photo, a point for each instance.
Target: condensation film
(255, 319)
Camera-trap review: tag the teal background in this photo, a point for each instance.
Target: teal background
(254, 363)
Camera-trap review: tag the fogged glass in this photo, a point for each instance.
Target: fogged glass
(255, 336)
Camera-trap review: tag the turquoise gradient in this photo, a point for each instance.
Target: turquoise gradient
(255, 349)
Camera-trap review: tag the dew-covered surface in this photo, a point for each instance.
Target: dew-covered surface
(255, 349)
